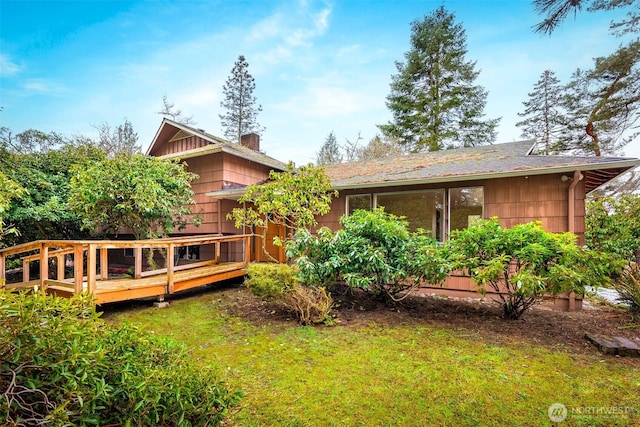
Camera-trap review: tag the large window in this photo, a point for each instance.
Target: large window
(426, 209)
(465, 206)
(358, 201)
(423, 209)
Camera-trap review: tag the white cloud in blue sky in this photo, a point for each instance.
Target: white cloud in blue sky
(319, 66)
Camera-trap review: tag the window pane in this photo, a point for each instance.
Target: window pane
(423, 209)
(360, 201)
(465, 206)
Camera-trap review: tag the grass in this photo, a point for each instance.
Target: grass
(408, 374)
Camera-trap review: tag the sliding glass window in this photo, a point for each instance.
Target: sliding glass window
(423, 209)
(358, 201)
(465, 206)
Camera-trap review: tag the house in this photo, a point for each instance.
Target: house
(435, 191)
(220, 165)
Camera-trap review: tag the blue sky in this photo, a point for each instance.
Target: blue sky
(319, 66)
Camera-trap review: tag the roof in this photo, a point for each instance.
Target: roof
(168, 128)
(467, 164)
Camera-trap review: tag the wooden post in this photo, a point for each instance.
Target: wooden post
(78, 270)
(217, 249)
(91, 268)
(60, 265)
(137, 253)
(170, 252)
(25, 270)
(104, 264)
(44, 265)
(247, 249)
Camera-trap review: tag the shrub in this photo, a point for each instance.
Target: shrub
(628, 286)
(523, 263)
(269, 280)
(374, 251)
(62, 365)
(280, 282)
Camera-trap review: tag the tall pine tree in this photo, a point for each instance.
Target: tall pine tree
(434, 100)
(543, 114)
(241, 116)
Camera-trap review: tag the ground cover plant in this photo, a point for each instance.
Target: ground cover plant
(61, 365)
(423, 361)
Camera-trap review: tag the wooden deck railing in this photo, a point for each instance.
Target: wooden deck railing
(90, 260)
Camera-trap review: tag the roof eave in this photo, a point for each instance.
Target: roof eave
(628, 164)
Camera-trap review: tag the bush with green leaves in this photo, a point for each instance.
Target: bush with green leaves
(270, 280)
(613, 225)
(280, 282)
(374, 251)
(525, 262)
(628, 286)
(60, 364)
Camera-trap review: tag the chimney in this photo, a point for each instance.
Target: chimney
(251, 140)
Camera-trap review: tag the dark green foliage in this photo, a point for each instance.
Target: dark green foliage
(628, 286)
(434, 101)
(523, 263)
(40, 163)
(147, 195)
(62, 365)
(374, 251)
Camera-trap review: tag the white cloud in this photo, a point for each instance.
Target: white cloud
(7, 66)
(44, 86)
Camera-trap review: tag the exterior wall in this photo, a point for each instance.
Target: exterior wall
(514, 201)
(180, 145)
(210, 177)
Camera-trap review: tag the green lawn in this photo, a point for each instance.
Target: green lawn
(409, 374)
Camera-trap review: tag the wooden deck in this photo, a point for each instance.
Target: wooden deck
(69, 267)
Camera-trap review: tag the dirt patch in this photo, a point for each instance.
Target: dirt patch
(540, 326)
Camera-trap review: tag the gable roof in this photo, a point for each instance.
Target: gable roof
(169, 129)
(466, 164)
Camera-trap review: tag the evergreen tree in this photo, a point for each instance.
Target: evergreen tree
(242, 111)
(329, 153)
(543, 112)
(434, 101)
(605, 103)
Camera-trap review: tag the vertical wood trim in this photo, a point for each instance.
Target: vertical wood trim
(44, 265)
(137, 254)
(60, 265)
(217, 248)
(571, 217)
(78, 270)
(91, 268)
(104, 264)
(170, 279)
